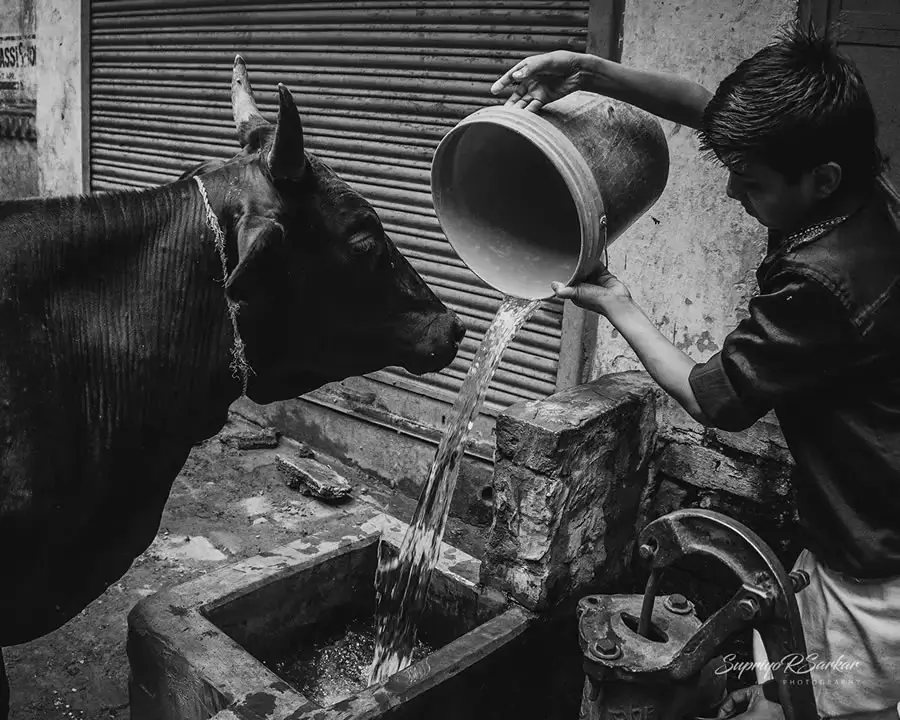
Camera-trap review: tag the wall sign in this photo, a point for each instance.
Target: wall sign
(18, 58)
(18, 86)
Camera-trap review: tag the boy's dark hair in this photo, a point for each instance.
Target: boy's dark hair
(794, 105)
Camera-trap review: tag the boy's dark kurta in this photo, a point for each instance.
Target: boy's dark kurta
(822, 348)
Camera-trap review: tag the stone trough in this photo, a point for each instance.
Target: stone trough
(197, 651)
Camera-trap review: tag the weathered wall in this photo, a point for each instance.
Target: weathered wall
(690, 260)
(690, 263)
(59, 116)
(18, 151)
(41, 120)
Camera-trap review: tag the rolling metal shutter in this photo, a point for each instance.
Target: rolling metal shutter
(378, 84)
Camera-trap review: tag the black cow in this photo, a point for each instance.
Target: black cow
(118, 350)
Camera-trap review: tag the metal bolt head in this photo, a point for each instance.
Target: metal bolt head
(606, 648)
(647, 551)
(678, 603)
(748, 607)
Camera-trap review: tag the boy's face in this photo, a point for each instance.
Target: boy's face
(768, 196)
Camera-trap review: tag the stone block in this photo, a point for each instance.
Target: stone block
(242, 434)
(570, 474)
(312, 477)
(250, 439)
(762, 440)
(754, 464)
(775, 522)
(757, 479)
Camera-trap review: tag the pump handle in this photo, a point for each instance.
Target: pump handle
(765, 601)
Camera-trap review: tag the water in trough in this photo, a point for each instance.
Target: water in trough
(333, 663)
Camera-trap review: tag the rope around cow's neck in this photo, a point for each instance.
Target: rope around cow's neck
(240, 369)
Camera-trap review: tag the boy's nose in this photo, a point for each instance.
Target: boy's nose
(731, 189)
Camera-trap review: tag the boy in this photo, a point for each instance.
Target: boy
(796, 130)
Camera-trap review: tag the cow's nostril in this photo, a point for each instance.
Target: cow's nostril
(459, 331)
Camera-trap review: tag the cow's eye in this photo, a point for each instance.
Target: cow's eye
(362, 243)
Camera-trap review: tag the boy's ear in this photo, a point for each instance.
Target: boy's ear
(826, 180)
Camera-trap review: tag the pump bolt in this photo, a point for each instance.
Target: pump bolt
(678, 604)
(748, 607)
(799, 579)
(606, 648)
(647, 551)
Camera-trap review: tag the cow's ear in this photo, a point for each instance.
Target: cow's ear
(259, 240)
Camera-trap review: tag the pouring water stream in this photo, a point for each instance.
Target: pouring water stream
(401, 583)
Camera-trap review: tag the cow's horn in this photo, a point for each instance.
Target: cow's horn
(246, 115)
(286, 158)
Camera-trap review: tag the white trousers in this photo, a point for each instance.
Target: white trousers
(852, 632)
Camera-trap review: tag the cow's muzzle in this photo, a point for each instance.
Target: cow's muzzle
(438, 345)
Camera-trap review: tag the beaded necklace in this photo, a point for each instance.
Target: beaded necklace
(808, 234)
(814, 230)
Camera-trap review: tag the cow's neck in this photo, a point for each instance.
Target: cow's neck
(135, 315)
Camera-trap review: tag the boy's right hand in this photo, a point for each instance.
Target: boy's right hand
(541, 79)
(601, 292)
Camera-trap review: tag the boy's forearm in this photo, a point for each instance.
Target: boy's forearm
(667, 365)
(665, 95)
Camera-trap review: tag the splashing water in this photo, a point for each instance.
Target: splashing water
(332, 663)
(401, 583)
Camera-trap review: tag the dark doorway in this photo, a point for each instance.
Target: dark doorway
(870, 35)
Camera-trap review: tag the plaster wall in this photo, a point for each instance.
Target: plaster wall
(690, 261)
(59, 115)
(18, 168)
